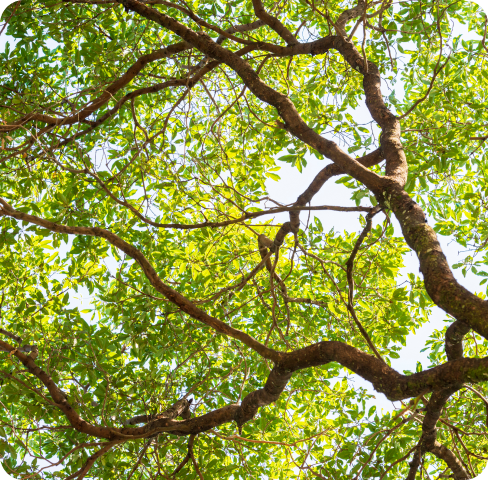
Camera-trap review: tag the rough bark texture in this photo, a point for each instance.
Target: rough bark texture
(443, 288)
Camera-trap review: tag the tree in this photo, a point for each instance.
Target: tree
(137, 140)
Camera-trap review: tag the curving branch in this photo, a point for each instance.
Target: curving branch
(107, 94)
(172, 295)
(264, 243)
(126, 78)
(33, 349)
(383, 378)
(82, 472)
(188, 82)
(293, 122)
(428, 441)
(285, 107)
(59, 397)
(273, 22)
(180, 409)
(396, 164)
(454, 339)
(443, 288)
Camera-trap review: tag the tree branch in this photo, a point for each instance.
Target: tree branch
(428, 440)
(81, 473)
(454, 339)
(187, 458)
(282, 103)
(383, 378)
(24, 348)
(107, 94)
(443, 288)
(350, 280)
(325, 174)
(172, 295)
(273, 22)
(180, 409)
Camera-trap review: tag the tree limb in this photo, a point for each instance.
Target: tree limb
(273, 22)
(172, 295)
(282, 103)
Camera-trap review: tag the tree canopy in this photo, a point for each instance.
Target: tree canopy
(138, 140)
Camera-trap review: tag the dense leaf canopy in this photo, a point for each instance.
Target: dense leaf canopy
(138, 143)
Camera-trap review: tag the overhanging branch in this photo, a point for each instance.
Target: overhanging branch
(294, 123)
(172, 295)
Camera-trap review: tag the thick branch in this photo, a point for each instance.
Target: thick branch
(440, 283)
(282, 103)
(241, 414)
(180, 409)
(396, 164)
(443, 453)
(454, 339)
(428, 440)
(273, 22)
(383, 378)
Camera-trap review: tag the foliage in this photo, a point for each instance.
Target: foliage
(103, 126)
